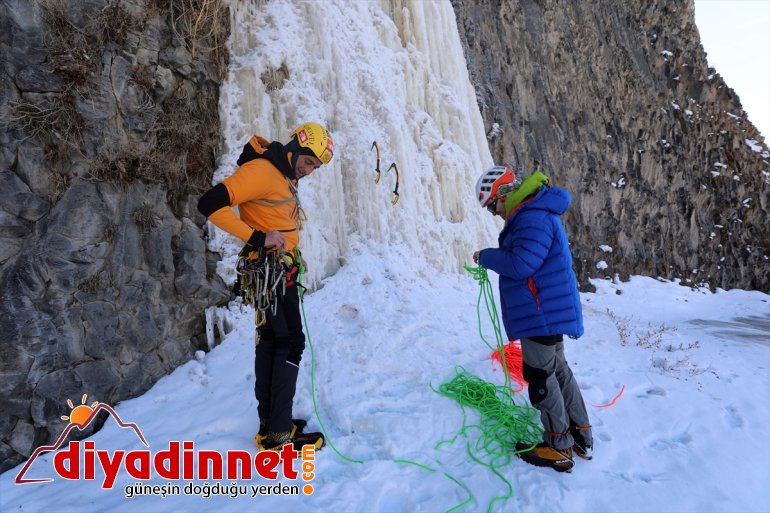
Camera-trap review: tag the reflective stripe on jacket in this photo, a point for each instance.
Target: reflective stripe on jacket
(266, 197)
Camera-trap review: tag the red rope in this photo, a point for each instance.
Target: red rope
(611, 403)
(513, 362)
(515, 368)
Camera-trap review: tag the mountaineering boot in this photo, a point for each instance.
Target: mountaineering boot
(543, 455)
(583, 448)
(299, 427)
(275, 441)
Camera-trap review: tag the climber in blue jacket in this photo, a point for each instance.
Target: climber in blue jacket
(540, 304)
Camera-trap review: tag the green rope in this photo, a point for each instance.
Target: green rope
(312, 367)
(502, 423)
(318, 416)
(448, 476)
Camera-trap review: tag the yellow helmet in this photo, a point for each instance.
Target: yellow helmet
(315, 138)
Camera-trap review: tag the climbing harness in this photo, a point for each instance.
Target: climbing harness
(298, 214)
(263, 278)
(398, 179)
(377, 169)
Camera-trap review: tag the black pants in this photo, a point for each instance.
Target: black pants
(276, 364)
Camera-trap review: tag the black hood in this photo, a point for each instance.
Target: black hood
(276, 153)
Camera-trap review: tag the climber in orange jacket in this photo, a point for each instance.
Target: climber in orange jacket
(264, 187)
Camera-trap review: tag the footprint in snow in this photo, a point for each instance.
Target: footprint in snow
(651, 392)
(672, 442)
(733, 418)
(641, 476)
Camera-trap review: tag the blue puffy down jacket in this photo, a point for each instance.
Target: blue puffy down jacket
(538, 288)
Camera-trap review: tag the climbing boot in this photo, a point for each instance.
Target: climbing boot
(543, 455)
(583, 447)
(299, 427)
(275, 441)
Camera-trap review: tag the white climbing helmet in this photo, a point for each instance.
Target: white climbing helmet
(490, 181)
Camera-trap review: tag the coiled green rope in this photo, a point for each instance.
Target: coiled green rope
(502, 422)
(323, 427)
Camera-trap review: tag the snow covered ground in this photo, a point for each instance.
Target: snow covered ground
(392, 314)
(691, 431)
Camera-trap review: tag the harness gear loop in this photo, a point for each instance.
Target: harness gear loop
(263, 279)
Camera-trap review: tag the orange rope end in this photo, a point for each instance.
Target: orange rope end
(611, 403)
(513, 362)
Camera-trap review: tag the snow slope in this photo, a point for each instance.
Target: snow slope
(687, 437)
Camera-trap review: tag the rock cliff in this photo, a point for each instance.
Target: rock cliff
(617, 103)
(109, 131)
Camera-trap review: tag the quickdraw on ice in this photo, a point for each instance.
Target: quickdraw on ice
(398, 179)
(377, 169)
(376, 147)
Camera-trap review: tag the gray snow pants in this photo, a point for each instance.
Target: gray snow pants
(554, 391)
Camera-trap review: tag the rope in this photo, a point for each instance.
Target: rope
(318, 415)
(312, 366)
(485, 291)
(611, 403)
(502, 423)
(513, 357)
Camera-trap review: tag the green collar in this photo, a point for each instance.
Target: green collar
(531, 185)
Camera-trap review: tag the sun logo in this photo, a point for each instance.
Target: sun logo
(80, 414)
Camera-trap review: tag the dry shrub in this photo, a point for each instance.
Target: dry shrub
(186, 135)
(275, 78)
(75, 51)
(118, 169)
(623, 325)
(60, 183)
(53, 117)
(206, 23)
(95, 283)
(203, 26)
(146, 218)
(73, 54)
(112, 23)
(110, 231)
(143, 76)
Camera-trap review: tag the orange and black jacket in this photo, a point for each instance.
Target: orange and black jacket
(264, 189)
